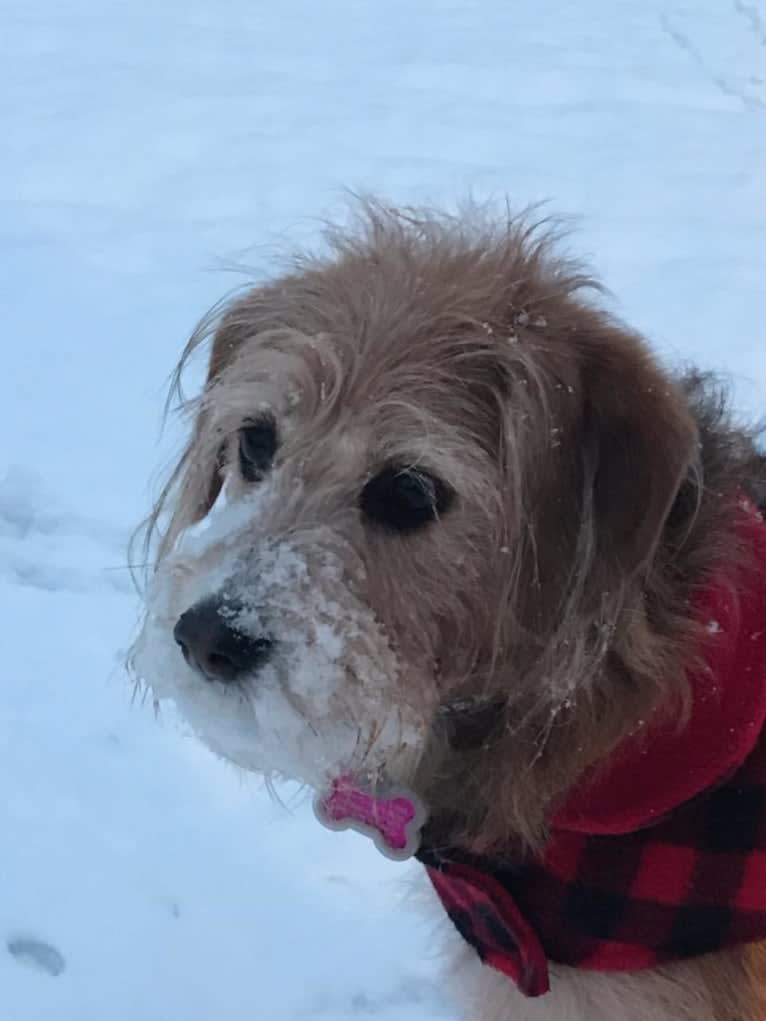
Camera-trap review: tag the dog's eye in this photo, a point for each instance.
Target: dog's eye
(404, 499)
(257, 447)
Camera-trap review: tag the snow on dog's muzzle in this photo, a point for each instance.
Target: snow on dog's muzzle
(269, 648)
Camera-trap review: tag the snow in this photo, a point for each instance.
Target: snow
(147, 151)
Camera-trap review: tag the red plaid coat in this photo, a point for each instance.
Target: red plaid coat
(664, 856)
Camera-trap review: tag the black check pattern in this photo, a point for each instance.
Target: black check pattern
(692, 884)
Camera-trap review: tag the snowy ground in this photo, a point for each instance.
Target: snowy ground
(143, 149)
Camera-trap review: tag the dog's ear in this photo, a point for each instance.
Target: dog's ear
(196, 480)
(639, 440)
(227, 340)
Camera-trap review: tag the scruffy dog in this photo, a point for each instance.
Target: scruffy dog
(443, 525)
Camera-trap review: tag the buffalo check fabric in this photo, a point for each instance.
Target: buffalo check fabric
(663, 856)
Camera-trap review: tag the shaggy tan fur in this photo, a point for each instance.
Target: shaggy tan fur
(723, 987)
(543, 616)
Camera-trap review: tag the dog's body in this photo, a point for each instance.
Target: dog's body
(455, 519)
(722, 987)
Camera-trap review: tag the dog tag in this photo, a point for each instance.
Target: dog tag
(393, 821)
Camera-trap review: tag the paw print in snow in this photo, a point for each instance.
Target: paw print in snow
(36, 953)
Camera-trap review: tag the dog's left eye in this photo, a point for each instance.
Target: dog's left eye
(257, 447)
(404, 499)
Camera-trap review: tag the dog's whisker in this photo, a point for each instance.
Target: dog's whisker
(125, 567)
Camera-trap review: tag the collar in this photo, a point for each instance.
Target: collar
(662, 854)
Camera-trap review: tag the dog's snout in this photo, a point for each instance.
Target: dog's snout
(211, 644)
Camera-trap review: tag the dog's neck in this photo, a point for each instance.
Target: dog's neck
(662, 854)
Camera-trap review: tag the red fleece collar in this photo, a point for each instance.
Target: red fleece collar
(662, 855)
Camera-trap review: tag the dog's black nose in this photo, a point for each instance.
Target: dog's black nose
(212, 645)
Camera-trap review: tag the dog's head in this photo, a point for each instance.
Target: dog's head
(412, 530)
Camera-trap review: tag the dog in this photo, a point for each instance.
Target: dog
(445, 525)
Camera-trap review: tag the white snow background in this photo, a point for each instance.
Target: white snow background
(145, 147)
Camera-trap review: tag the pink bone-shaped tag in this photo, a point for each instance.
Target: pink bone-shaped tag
(393, 822)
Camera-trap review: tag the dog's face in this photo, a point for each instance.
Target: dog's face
(407, 522)
(310, 621)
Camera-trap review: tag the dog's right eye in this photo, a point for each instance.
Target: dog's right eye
(257, 447)
(404, 499)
